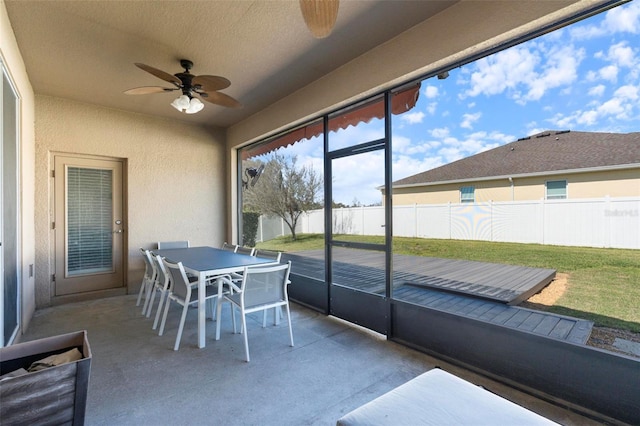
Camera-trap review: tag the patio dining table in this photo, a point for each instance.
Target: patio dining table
(207, 262)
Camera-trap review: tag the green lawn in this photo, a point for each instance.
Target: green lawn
(603, 284)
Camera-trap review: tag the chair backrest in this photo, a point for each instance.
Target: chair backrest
(163, 278)
(228, 247)
(268, 254)
(265, 285)
(179, 281)
(245, 250)
(173, 244)
(150, 270)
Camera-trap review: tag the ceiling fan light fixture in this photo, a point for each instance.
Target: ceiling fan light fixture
(205, 86)
(194, 106)
(181, 103)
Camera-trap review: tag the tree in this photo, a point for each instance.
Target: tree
(284, 189)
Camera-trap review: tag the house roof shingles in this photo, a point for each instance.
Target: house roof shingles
(545, 152)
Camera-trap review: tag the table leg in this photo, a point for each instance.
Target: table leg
(202, 310)
(220, 283)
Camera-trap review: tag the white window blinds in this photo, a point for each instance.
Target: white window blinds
(89, 221)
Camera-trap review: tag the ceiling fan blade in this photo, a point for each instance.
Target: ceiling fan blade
(320, 16)
(145, 90)
(220, 99)
(160, 74)
(210, 83)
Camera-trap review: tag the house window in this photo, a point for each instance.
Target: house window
(556, 189)
(467, 194)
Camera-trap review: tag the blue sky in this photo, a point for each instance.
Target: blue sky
(585, 77)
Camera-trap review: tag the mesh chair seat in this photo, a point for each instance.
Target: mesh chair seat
(261, 288)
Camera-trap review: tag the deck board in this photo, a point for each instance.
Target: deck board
(542, 323)
(479, 290)
(504, 283)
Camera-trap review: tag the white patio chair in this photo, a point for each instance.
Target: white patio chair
(268, 254)
(173, 244)
(245, 250)
(162, 285)
(275, 256)
(148, 280)
(229, 247)
(261, 288)
(184, 294)
(249, 251)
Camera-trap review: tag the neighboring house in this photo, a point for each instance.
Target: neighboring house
(555, 164)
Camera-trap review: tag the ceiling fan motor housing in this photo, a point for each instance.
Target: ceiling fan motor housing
(186, 77)
(186, 64)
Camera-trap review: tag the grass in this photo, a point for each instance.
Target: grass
(603, 284)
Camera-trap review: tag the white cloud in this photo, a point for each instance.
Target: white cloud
(469, 119)
(431, 92)
(597, 90)
(608, 73)
(502, 71)
(404, 165)
(432, 108)
(623, 55)
(412, 117)
(403, 145)
(535, 130)
(627, 92)
(358, 176)
(454, 149)
(522, 74)
(442, 132)
(622, 19)
(622, 106)
(611, 107)
(353, 135)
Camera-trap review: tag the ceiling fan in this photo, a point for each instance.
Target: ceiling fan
(320, 16)
(204, 86)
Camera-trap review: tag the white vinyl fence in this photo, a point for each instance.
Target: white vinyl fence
(604, 222)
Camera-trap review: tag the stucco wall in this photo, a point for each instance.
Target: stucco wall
(621, 183)
(613, 183)
(175, 177)
(13, 62)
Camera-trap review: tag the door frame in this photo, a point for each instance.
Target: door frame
(353, 305)
(94, 294)
(16, 245)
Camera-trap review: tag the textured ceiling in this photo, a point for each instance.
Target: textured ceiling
(86, 50)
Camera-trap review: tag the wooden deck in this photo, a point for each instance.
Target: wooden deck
(502, 283)
(479, 290)
(547, 324)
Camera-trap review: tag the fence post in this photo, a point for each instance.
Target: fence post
(415, 220)
(449, 208)
(491, 219)
(542, 214)
(607, 221)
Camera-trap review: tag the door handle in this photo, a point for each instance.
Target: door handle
(118, 231)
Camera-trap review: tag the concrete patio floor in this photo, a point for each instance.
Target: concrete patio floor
(137, 378)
